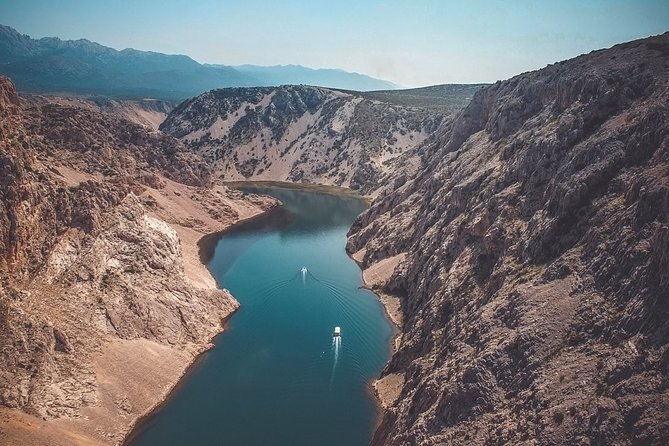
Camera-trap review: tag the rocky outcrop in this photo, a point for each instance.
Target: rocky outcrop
(124, 279)
(103, 303)
(536, 276)
(300, 134)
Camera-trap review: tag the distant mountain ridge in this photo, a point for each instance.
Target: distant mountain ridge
(327, 77)
(52, 65)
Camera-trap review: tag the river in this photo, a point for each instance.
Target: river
(277, 376)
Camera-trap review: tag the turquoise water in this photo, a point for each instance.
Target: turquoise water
(277, 376)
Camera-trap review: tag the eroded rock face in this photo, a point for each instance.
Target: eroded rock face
(123, 280)
(300, 133)
(90, 270)
(536, 280)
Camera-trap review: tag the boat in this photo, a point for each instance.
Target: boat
(337, 332)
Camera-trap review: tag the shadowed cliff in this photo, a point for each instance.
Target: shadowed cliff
(536, 280)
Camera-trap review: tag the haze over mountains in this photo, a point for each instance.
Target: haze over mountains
(325, 77)
(49, 65)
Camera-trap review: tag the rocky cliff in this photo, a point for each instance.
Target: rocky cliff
(301, 134)
(103, 300)
(532, 262)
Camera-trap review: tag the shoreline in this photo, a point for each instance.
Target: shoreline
(135, 427)
(205, 245)
(312, 187)
(380, 387)
(380, 400)
(392, 316)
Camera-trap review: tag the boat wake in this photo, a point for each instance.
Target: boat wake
(336, 346)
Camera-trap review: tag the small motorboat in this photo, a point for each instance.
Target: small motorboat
(337, 332)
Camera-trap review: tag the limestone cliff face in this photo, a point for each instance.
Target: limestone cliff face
(300, 133)
(124, 279)
(99, 314)
(535, 285)
(34, 211)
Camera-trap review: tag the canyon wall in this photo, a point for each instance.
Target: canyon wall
(103, 300)
(532, 261)
(149, 113)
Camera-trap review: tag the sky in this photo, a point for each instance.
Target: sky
(411, 42)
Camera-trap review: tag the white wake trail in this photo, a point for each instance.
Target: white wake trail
(336, 345)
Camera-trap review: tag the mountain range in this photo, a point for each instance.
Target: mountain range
(52, 65)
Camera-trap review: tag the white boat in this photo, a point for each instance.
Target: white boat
(337, 332)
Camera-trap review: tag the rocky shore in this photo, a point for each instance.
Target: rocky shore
(375, 277)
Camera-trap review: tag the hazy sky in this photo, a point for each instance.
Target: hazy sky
(412, 42)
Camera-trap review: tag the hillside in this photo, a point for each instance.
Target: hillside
(52, 65)
(148, 113)
(104, 302)
(529, 254)
(300, 134)
(444, 99)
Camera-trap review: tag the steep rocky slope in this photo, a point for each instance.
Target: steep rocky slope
(103, 300)
(149, 113)
(300, 134)
(107, 144)
(531, 260)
